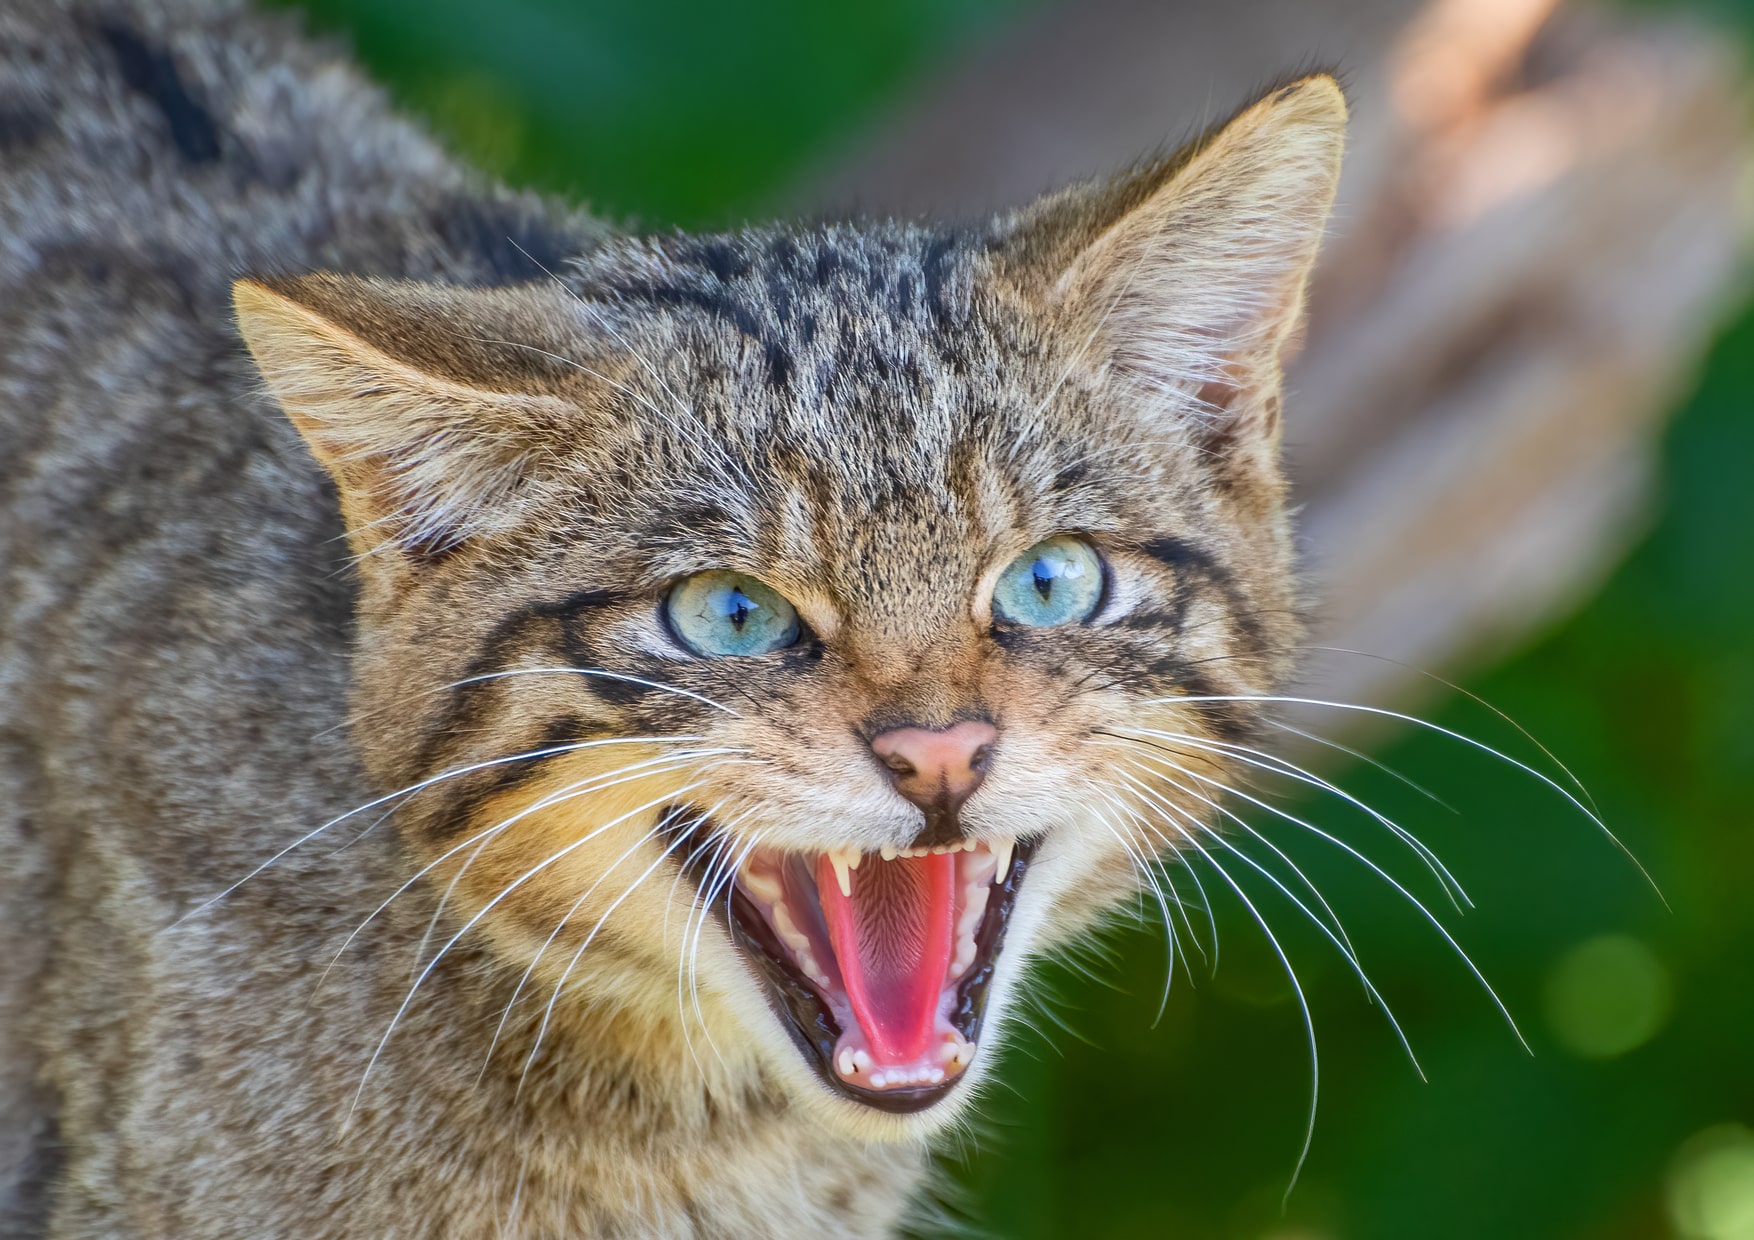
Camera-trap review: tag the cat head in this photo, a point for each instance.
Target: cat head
(785, 634)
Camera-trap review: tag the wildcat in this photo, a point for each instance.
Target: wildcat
(510, 728)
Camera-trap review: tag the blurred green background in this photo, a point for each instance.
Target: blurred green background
(1629, 1120)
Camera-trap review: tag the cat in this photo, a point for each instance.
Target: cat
(513, 728)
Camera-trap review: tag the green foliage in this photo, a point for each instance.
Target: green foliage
(671, 111)
(1631, 1110)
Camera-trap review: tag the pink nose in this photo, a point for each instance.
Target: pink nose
(937, 770)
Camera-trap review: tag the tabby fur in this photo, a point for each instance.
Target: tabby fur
(245, 591)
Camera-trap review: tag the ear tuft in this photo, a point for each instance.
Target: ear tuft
(426, 431)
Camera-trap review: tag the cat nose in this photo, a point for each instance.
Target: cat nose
(937, 769)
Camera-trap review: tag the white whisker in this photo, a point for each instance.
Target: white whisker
(1361, 756)
(489, 907)
(1452, 888)
(1478, 701)
(1388, 878)
(643, 769)
(1336, 934)
(560, 986)
(727, 877)
(1465, 739)
(1302, 1004)
(541, 951)
(1145, 875)
(411, 790)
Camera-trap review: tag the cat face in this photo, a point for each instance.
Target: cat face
(800, 628)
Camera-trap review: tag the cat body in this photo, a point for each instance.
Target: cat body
(432, 521)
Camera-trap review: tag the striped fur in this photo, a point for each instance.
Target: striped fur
(428, 531)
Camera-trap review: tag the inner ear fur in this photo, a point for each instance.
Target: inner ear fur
(1184, 279)
(413, 397)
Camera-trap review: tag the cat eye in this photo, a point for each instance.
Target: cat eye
(721, 613)
(1058, 581)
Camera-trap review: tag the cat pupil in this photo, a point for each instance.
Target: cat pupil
(1044, 579)
(741, 606)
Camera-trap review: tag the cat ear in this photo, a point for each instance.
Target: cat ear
(405, 393)
(1185, 279)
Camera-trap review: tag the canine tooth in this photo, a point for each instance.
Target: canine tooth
(766, 886)
(861, 1060)
(842, 872)
(1002, 855)
(844, 1061)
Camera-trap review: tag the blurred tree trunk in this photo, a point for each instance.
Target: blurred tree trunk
(1538, 227)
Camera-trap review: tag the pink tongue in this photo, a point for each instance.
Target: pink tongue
(892, 939)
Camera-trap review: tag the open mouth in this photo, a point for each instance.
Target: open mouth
(879, 964)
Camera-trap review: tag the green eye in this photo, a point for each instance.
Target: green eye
(723, 613)
(1058, 581)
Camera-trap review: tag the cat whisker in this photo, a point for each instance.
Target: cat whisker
(1144, 876)
(1302, 1004)
(541, 951)
(1211, 961)
(719, 877)
(595, 783)
(1384, 712)
(678, 761)
(411, 790)
(560, 986)
(511, 1213)
(1161, 870)
(718, 847)
(1275, 765)
(1388, 878)
(1477, 700)
(1361, 756)
(485, 910)
(1335, 934)
(1334, 919)
(722, 881)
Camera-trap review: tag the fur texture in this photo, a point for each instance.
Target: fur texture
(454, 512)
